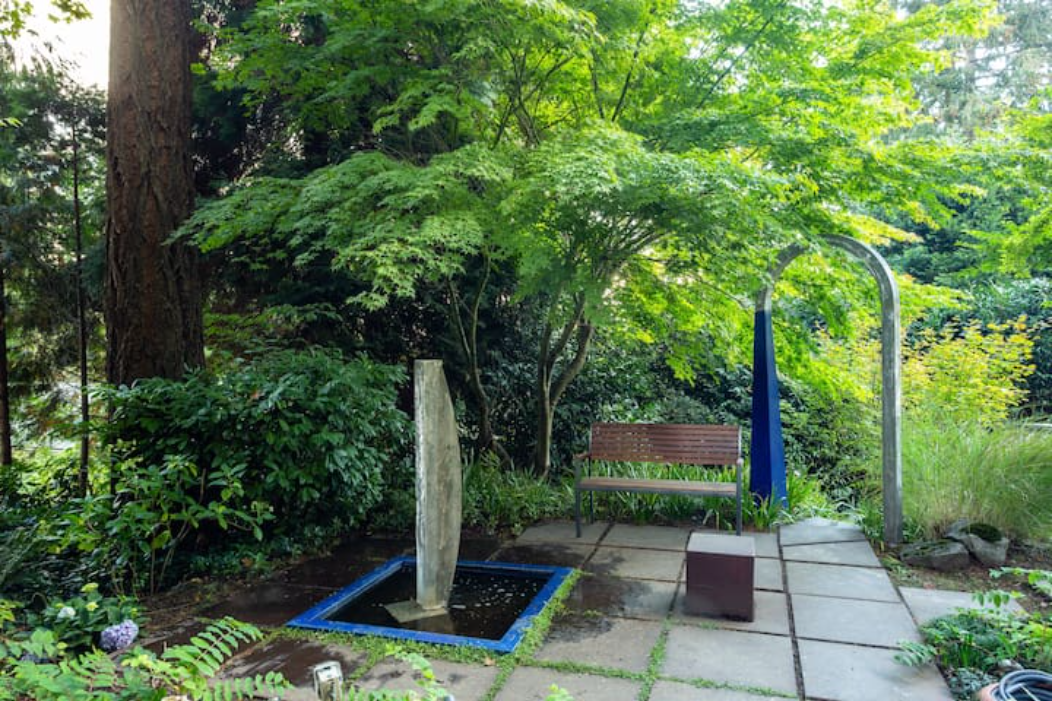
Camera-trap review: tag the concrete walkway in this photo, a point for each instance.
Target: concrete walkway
(828, 623)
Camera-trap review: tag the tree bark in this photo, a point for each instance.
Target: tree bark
(82, 317)
(467, 335)
(6, 456)
(551, 385)
(154, 298)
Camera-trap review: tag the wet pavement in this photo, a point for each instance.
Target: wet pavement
(827, 625)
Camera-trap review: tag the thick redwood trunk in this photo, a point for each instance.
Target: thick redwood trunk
(153, 302)
(6, 456)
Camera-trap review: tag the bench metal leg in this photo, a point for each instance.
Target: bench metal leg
(577, 496)
(577, 509)
(738, 521)
(591, 497)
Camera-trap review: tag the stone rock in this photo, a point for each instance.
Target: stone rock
(985, 542)
(957, 529)
(942, 555)
(990, 554)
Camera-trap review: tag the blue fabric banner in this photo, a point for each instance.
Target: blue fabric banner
(767, 452)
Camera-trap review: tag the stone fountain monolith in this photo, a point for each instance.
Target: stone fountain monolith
(438, 494)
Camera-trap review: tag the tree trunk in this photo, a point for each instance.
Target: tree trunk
(551, 386)
(82, 318)
(542, 450)
(467, 335)
(153, 305)
(6, 456)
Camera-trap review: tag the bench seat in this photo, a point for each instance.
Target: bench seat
(658, 486)
(663, 444)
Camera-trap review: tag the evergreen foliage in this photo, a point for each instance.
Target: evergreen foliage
(306, 433)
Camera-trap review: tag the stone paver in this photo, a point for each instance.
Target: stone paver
(835, 672)
(614, 643)
(269, 603)
(545, 554)
(857, 553)
(767, 574)
(563, 532)
(652, 537)
(476, 548)
(846, 615)
(674, 691)
(346, 562)
(926, 604)
(614, 596)
(852, 620)
(463, 681)
(534, 684)
(771, 615)
(818, 530)
(637, 563)
(766, 544)
(158, 640)
(730, 656)
(840, 580)
(293, 658)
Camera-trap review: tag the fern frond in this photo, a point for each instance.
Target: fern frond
(270, 684)
(94, 669)
(915, 654)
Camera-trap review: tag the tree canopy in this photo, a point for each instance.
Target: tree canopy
(593, 150)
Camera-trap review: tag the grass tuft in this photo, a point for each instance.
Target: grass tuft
(1001, 476)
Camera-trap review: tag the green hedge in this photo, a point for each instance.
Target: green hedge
(306, 432)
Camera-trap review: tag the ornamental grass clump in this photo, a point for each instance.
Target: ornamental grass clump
(999, 475)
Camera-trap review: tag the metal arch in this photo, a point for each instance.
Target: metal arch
(891, 365)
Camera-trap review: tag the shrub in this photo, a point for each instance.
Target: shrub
(134, 532)
(77, 622)
(304, 431)
(973, 645)
(999, 475)
(970, 372)
(35, 565)
(1038, 580)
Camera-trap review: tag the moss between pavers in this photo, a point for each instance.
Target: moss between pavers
(376, 649)
(755, 690)
(657, 657)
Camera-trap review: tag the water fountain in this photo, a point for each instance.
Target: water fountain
(434, 597)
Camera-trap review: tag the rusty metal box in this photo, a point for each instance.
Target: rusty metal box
(720, 570)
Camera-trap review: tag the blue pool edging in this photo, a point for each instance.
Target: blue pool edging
(316, 617)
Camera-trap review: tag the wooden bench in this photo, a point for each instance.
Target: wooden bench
(668, 444)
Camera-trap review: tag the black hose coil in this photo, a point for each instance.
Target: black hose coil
(1024, 685)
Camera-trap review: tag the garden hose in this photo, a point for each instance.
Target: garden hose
(1024, 685)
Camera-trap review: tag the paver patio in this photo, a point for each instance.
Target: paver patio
(828, 620)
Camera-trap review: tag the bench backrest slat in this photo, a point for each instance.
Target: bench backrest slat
(687, 444)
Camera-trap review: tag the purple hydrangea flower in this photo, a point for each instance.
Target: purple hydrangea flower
(120, 636)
